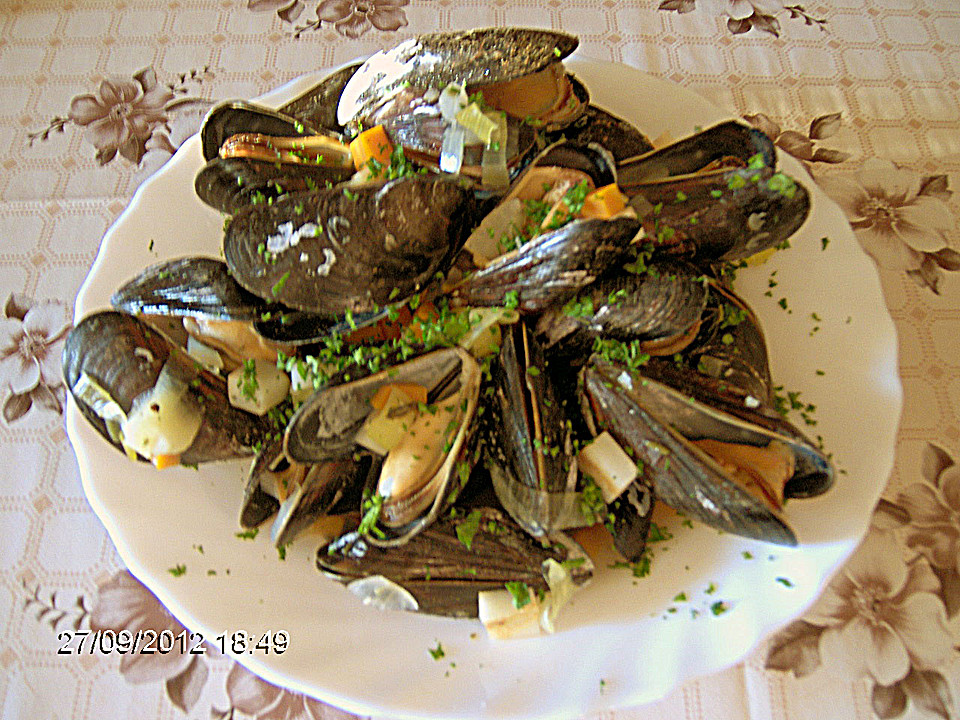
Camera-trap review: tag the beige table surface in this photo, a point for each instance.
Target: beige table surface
(95, 95)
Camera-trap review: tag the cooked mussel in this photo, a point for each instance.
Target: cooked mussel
(530, 453)
(518, 70)
(531, 247)
(442, 570)
(255, 154)
(298, 495)
(146, 396)
(419, 414)
(350, 250)
(716, 195)
(214, 309)
(731, 470)
(660, 304)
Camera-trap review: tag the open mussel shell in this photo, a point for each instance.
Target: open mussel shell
(231, 184)
(727, 144)
(657, 305)
(715, 195)
(115, 358)
(441, 571)
(472, 58)
(326, 426)
(599, 126)
(660, 424)
(299, 495)
(317, 105)
(725, 216)
(530, 454)
(552, 267)
(333, 251)
(231, 117)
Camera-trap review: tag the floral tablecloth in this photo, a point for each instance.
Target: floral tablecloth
(97, 95)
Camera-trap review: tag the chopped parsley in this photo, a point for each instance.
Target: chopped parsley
(519, 591)
(371, 507)
(719, 607)
(247, 383)
(467, 528)
(177, 570)
(437, 652)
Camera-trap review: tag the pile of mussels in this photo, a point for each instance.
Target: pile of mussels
(624, 325)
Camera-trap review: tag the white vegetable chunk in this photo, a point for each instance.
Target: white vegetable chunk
(163, 420)
(609, 466)
(257, 386)
(502, 620)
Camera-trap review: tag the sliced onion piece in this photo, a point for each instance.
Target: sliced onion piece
(503, 620)
(493, 167)
(163, 420)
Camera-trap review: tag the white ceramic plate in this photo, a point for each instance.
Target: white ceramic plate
(622, 640)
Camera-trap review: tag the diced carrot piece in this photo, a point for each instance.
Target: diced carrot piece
(604, 202)
(371, 144)
(162, 462)
(416, 393)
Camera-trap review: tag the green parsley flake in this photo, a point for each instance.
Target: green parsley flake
(437, 652)
(519, 591)
(278, 285)
(467, 529)
(719, 607)
(371, 513)
(177, 570)
(247, 534)
(786, 582)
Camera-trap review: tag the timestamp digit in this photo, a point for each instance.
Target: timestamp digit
(107, 642)
(280, 641)
(238, 642)
(197, 648)
(124, 641)
(149, 642)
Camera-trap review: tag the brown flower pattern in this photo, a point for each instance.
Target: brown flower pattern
(122, 115)
(900, 217)
(259, 699)
(31, 340)
(746, 15)
(353, 18)
(350, 18)
(124, 604)
(131, 117)
(802, 146)
(886, 615)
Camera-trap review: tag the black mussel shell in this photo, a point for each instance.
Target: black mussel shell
(444, 573)
(124, 357)
(350, 250)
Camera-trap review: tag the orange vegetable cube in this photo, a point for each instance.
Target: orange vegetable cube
(371, 144)
(161, 462)
(604, 202)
